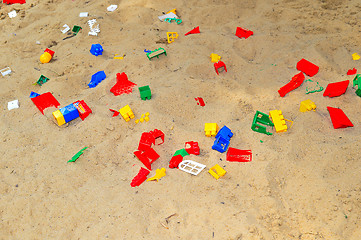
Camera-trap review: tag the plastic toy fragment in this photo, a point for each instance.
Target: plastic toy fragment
(307, 105)
(42, 80)
(336, 89)
(5, 71)
(140, 177)
(83, 14)
(261, 118)
(126, 113)
(83, 109)
(171, 36)
(279, 121)
(94, 30)
(339, 118)
(66, 114)
(76, 156)
(181, 152)
(173, 11)
(14, 1)
(147, 51)
(12, 14)
(45, 100)
(352, 71)
(146, 141)
(217, 171)
(215, 57)
(175, 161)
(159, 173)
(123, 85)
(76, 30)
(200, 101)
(46, 56)
(237, 155)
(219, 65)
(194, 31)
(66, 29)
(115, 113)
(96, 49)
(192, 148)
(317, 88)
(357, 82)
(13, 104)
(168, 15)
(241, 32)
(191, 167)
(144, 117)
(117, 56)
(156, 53)
(112, 8)
(177, 20)
(145, 92)
(296, 81)
(307, 67)
(96, 79)
(158, 136)
(33, 94)
(147, 157)
(211, 129)
(223, 138)
(355, 56)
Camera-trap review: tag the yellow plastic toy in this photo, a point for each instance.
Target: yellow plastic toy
(307, 105)
(215, 57)
(211, 129)
(117, 56)
(45, 57)
(126, 113)
(59, 117)
(279, 121)
(217, 171)
(172, 11)
(355, 56)
(171, 36)
(144, 117)
(159, 173)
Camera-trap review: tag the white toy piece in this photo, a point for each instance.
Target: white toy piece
(168, 15)
(191, 167)
(83, 14)
(112, 8)
(93, 30)
(5, 71)
(13, 104)
(12, 14)
(66, 28)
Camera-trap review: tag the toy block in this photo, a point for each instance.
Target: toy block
(174, 11)
(307, 105)
(307, 67)
(59, 117)
(96, 49)
(42, 80)
(33, 94)
(278, 120)
(243, 33)
(192, 148)
(191, 167)
(76, 30)
(123, 85)
(49, 51)
(45, 57)
(339, 118)
(217, 171)
(145, 92)
(355, 56)
(69, 112)
(237, 155)
(168, 15)
(261, 118)
(181, 152)
(126, 113)
(177, 20)
(225, 133)
(146, 141)
(336, 89)
(45, 100)
(175, 161)
(147, 157)
(357, 82)
(200, 101)
(5, 71)
(144, 117)
(171, 36)
(13, 104)
(296, 81)
(159, 173)
(156, 53)
(83, 109)
(219, 65)
(215, 57)
(194, 31)
(352, 71)
(222, 139)
(211, 129)
(140, 177)
(96, 79)
(77, 155)
(14, 1)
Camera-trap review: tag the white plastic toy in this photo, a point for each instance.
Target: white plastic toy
(13, 104)
(5, 71)
(66, 28)
(168, 15)
(111, 8)
(93, 30)
(191, 167)
(83, 14)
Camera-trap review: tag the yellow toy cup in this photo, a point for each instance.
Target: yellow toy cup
(45, 57)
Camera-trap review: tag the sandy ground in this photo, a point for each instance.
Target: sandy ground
(301, 184)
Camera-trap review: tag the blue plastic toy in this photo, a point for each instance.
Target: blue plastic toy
(222, 139)
(69, 112)
(147, 51)
(34, 94)
(96, 49)
(96, 79)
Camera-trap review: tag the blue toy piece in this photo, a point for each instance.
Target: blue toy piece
(96, 49)
(96, 79)
(34, 94)
(222, 139)
(69, 112)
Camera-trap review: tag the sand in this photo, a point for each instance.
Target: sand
(301, 184)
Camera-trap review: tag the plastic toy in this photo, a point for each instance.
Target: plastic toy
(211, 129)
(261, 118)
(96, 49)
(194, 31)
(33, 94)
(192, 148)
(177, 20)
(218, 65)
(94, 30)
(217, 171)
(12, 14)
(59, 117)
(123, 85)
(66, 28)
(147, 51)
(200, 101)
(147, 157)
(112, 8)
(83, 109)
(307, 105)
(317, 88)
(144, 117)
(339, 118)
(126, 113)
(175, 161)
(171, 36)
(13, 104)
(96, 79)
(158, 136)
(191, 167)
(146, 141)
(222, 139)
(296, 81)
(140, 177)
(156, 53)
(279, 121)
(168, 15)
(237, 155)
(117, 56)
(83, 14)
(46, 56)
(357, 82)
(159, 173)
(145, 92)
(42, 80)
(115, 112)
(14, 1)
(69, 112)
(355, 56)
(307, 67)
(5, 71)
(181, 152)
(76, 156)
(215, 57)
(352, 71)
(336, 89)
(45, 100)
(172, 11)
(76, 30)
(241, 32)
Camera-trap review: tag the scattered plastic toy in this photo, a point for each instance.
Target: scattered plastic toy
(237, 155)
(223, 138)
(296, 81)
(191, 167)
(219, 65)
(13, 104)
(171, 36)
(317, 88)
(156, 53)
(211, 129)
(307, 105)
(146, 141)
(115, 112)
(94, 30)
(42, 80)
(83, 14)
(339, 118)
(192, 148)
(243, 33)
(76, 156)
(307, 67)
(33, 94)
(357, 82)
(96, 79)
(147, 51)
(145, 92)
(144, 117)
(112, 8)
(12, 14)
(279, 121)
(140, 177)
(177, 20)
(46, 56)
(66, 29)
(200, 101)
(168, 15)
(261, 118)
(117, 56)
(336, 89)
(123, 85)
(217, 171)
(5, 71)
(66, 114)
(181, 152)
(352, 71)
(159, 173)
(215, 57)
(147, 157)
(194, 31)
(45, 100)
(96, 49)
(126, 113)
(175, 161)
(173, 11)
(76, 30)
(9, 2)
(355, 56)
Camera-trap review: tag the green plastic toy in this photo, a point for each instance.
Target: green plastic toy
(357, 82)
(261, 118)
(42, 80)
(76, 29)
(177, 20)
(76, 156)
(317, 88)
(182, 152)
(145, 92)
(156, 53)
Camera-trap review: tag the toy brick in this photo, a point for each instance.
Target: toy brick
(307, 67)
(339, 118)
(296, 81)
(336, 89)
(237, 155)
(45, 100)
(140, 177)
(69, 112)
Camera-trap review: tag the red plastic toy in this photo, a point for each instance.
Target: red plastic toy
(241, 32)
(296, 81)
(45, 100)
(200, 101)
(307, 67)
(237, 155)
(123, 85)
(158, 136)
(175, 161)
(14, 1)
(194, 31)
(336, 89)
(147, 157)
(83, 109)
(192, 148)
(352, 71)
(146, 141)
(218, 65)
(140, 178)
(50, 52)
(339, 118)
(115, 112)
